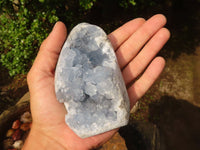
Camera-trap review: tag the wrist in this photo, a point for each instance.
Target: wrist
(38, 140)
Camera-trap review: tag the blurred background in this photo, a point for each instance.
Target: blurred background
(168, 116)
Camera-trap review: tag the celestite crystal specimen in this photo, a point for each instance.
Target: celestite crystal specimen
(88, 81)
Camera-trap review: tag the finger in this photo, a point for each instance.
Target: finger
(141, 61)
(120, 35)
(49, 51)
(129, 49)
(138, 89)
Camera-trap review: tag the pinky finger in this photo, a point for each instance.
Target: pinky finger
(140, 87)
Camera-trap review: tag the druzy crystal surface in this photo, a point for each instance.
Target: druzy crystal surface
(88, 81)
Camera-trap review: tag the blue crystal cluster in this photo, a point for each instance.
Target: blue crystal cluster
(89, 83)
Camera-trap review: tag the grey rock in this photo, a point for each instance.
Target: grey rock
(88, 81)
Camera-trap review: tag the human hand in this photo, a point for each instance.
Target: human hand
(136, 44)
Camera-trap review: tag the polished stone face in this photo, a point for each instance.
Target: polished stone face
(88, 81)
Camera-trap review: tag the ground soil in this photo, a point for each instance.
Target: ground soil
(11, 89)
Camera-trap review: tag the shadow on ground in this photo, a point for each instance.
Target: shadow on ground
(133, 138)
(140, 136)
(178, 122)
(174, 124)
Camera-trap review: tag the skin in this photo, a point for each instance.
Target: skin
(136, 44)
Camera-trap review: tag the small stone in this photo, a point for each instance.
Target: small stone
(8, 143)
(25, 126)
(18, 144)
(17, 135)
(9, 133)
(89, 82)
(16, 124)
(26, 117)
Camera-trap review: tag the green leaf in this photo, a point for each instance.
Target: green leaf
(41, 1)
(132, 2)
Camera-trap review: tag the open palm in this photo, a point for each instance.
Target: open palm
(136, 44)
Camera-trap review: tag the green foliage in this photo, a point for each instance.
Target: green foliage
(42, 1)
(126, 3)
(87, 4)
(22, 32)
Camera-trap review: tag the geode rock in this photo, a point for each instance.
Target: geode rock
(88, 81)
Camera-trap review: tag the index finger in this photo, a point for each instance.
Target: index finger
(121, 34)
